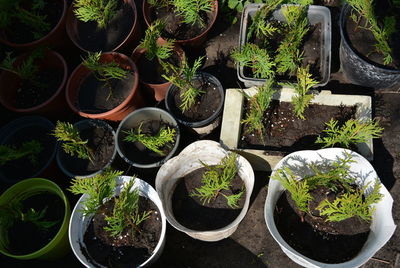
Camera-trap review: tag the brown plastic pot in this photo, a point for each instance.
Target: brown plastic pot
(131, 39)
(55, 38)
(54, 106)
(131, 103)
(193, 42)
(157, 91)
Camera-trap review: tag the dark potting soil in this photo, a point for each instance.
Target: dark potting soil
(93, 38)
(193, 214)
(317, 245)
(23, 168)
(363, 41)
(151, 71)
(138, 153)
(26, 237)
(287, 133)
(131, 248)
(175, 28)
(101, 142)
(30, 94)
(207, 104)
(21, 33)
(97, 96)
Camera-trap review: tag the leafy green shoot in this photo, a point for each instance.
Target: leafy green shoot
(72, 142)
(100, 11)
(98, 188)
(191, 10)
(259, 103)
(154, 143)
(351, 133)
(255, 58)
(218, 178)
(30, 149)
(126, 212)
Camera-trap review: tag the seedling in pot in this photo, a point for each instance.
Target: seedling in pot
(104, 71)
(30, 149)
(72, 142)
(155, 143)
(100, 11)
(125, 213)
(183, 79)
(17, 10)
(218, 178)
(351, 133)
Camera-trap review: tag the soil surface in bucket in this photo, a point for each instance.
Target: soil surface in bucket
(22, 33)
(29, 236)
(205, 106)
(33, 93)
(101, 143)
(193, 214)
(97, 96)
(139, 153)
(175, 28)
(26, 167)
(151, 71)
(93, 38)
(285, 132)
(130, 249)
(319, 245)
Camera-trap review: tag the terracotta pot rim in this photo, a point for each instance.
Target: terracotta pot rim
(71, 17)
(38, 41)
(115, 109)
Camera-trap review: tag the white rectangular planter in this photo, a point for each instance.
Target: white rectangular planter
(261, 159)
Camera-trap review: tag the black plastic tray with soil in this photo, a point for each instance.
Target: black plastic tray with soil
(97, 96)
(128, 251)
(138, 153)
(285, 132)
(193, 214)
(26, 237)
(299, 232)
(21, 33)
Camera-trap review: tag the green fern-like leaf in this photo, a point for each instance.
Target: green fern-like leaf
(100, 11)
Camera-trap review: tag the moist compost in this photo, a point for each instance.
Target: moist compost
(102, 144)
(193, 214)
(140, 154)
(21, 33)
(26, 237)
(97, 96)
(30, 94)
(363, 41)
(317, 245)
(92, 38)
(128, 250)
(205, 106)
(23, 168)
(151, 71)
(285, 132)
(174, 26)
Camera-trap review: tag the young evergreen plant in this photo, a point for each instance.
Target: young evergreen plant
(351, 133)
(218, 178)
(100, 11)
(30, 149)
(72, 142)
(155, 143)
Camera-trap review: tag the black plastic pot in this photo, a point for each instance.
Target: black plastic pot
(72, 165)
(357, 68)
(205, 126)
(28, 128)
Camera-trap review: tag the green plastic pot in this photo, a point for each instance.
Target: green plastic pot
(59, 245)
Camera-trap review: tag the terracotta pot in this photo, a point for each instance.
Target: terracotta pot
(193, 42)
(131, 39)
(54, 106)
(55, 38)
(157, 91)
(131, 103)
